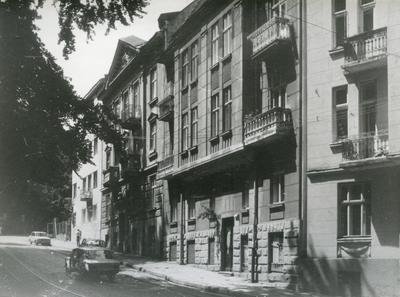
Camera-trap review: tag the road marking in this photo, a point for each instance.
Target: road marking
(40, 277)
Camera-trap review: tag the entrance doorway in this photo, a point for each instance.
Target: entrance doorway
(227, 244)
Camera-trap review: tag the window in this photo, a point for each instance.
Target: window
(108, 158)
(174, 211)
(275, 252)
(193, 127)
(153, 84)
(185, 68)
(95, 145)
(277, 188)
(95, 179)
(185, 131)
(368, 102)
(136, 101)
(367, 15)
(227, 109)
(153, 187)
(84, 184)
(89, 181)
(153, 136)
(340, 113)
(214, 115)
(94, 212)
(194, 61)
(83, 215)
(74, 191)
(354, 209)
(125, 104)
(339, 21)
(245, 195)
(214, 44)
(227, 34)
(191, 209)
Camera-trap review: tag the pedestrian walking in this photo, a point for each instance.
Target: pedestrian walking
(78, 237)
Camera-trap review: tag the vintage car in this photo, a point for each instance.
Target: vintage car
(92, 242)
(92, 261)
(39, 237)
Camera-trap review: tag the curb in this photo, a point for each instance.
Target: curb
(212, 289)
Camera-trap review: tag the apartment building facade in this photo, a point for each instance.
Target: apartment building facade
(231, 183)
(87, 184)
(353, 147)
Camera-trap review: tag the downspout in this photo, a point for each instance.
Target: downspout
(303, 131)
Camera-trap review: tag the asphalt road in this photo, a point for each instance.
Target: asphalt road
(28, 271)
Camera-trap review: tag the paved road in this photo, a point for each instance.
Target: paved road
(27, 271)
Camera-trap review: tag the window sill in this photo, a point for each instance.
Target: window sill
(227, 134)
(193, 82)
(337, 146)
(152, 155)
(354, 238)
(214, 66)
(214, 140)
(277, 205)
(153, 101)
(193, 149)
(192, 221)
(336, 52)
(226, 58)
(185, 88)
(184, 153)
(173, 224)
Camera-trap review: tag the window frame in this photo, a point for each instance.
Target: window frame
(185, 69)
(194, 128)
(215, 34)
(227, 34)
(174, 211)
(335, 15)
(194, 61)
(277, 180)
(191, 203)
(367, 108)
(153, 136)
(227, 109)
(366, 7)
(215, 115)
(95, 179)
(153, 84)
(337, 108)
(348, 203)
(185, 131)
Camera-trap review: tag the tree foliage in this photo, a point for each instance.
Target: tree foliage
(43, 123)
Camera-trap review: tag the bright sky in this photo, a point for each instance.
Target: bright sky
(92, 59)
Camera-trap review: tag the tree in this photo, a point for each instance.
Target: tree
(43, 123)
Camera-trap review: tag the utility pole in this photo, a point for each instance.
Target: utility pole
(254, 250)
(181, 262)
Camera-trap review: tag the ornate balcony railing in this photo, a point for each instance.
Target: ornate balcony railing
(86, 196)
(111, 176)
(366, 46)
(166, 162)
(364, 147)
(131, 114)
(275, 29)
(269, 123)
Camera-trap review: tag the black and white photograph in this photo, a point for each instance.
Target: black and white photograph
(189, 148)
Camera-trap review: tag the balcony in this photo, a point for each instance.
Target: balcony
(365, 51)
(273, 35)
(111, 176)
(268, 125)
(86, 196)
(131, 116)
(365, 148)
(130, 166)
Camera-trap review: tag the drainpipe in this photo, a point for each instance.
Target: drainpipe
(254, 250)
(303, 130)
(181, 262)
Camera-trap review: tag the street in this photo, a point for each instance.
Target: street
(30, 271)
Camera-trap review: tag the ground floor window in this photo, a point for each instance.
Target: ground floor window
(211, 251)
(354, 209)
(275, 252)
(191, 256)
(244, 253)
(172, 251)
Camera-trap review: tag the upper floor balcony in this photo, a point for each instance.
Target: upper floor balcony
(166, 105)
(267, 125)
(110, 176)
(86, 196)
(365, 148)
(131, 116)
(365, 51)
(271, 36)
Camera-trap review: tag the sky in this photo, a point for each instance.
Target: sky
(92, 59)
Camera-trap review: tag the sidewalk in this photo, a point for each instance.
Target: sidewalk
(191, 276)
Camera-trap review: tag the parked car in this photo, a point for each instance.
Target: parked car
(39, 237)
(92, 261)
(93, 242)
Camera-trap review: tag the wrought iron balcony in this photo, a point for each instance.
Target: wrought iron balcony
(366, 147)
(271, 33)
(86, 196)
(264, 126)
(365, 51)
(111, 176)
(131, 116)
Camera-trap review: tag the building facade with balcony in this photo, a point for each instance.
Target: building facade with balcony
(353, 147)
(87, 185)
(229, 156)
